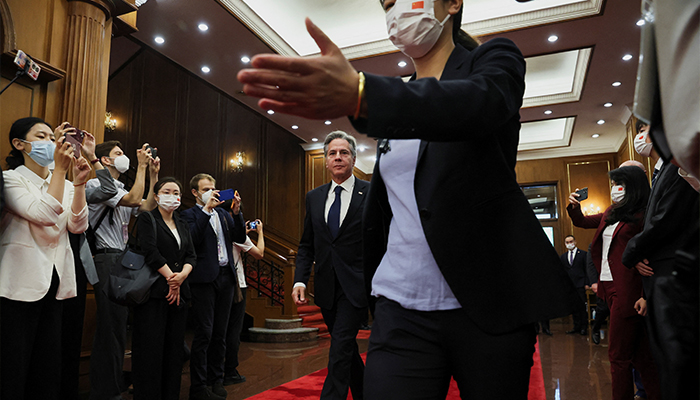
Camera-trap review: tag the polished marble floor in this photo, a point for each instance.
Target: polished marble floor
(573, 367)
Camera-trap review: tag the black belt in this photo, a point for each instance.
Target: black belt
(107, 251)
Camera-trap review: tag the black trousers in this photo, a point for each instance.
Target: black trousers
(580, 315)
(211, 307)
(30, 347)
(157, 350)
(601, 313)
(345, 366)
(72, 329)
(233, 335)
(109, 343)
(412, 355)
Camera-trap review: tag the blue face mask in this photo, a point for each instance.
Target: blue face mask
(42, 152)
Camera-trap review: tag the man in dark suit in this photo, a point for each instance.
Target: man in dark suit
(213, 284)
(333, 240)
(574, 263)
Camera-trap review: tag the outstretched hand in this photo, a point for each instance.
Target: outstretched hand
(321, 87)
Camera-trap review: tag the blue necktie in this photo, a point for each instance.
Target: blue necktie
(654, 177)
(334, 213)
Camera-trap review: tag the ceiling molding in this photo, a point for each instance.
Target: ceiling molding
(565, 141)
(529, 19)
(256, 24)
(584, 57)
(570, 151)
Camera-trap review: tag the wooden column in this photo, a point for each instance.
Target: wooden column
(87, 66)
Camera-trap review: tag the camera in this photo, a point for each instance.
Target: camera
(154, 151)
(253, 225)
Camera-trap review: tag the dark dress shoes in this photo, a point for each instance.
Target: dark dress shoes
(584, 332)
(595, 336)
(571, 332)
(233, 379)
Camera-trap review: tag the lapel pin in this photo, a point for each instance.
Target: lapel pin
(359, 192)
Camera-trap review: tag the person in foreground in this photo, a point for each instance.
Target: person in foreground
(443, 198)
(159, 323)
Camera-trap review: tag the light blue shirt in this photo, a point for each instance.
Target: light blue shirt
(215, 222)
(408, 273)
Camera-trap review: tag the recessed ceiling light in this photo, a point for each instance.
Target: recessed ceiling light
(616, 84)
(159, 40)
(608, 105)
(361, 148)
(402, 64)
(553, 38)
(295, 126)
(314, 140)
(203, 27)
(245, 59)
(205, 69)
(641, 22)
(595, 135)
(547, 112)
(328, 122)
(627, 57)
(270, 112)
(601, 121)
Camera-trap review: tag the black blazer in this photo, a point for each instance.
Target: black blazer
(469, 201)
(341, 256)
(165, 250)
(205, 242)
(577, 270)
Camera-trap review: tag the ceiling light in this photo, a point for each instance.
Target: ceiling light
(270, 112)
(314, 140)
(159, 40)
(295, 126)
(328, 122)
(203, 27)
(402, 64)
(361, 148)
(641, 22)
(601, 121)
(607, 105)
(616, 84)
(627, 57)
(553, 38)
(205, 69)
(595, 135)
(245, 59)
(547, 112)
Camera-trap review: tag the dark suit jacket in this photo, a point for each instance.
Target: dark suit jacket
(672, 214)
(469, 201)
(341, 257)
(577, 270)
(205, 242)
(628, 282)
(165, 250)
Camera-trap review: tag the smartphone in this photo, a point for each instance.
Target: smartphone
(76, 139)
(154, 151)
(253, 225)
(582, 194)
(225, 194)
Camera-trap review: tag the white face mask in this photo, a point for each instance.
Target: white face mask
(412, 26)
(206, 196)
(570, 246)
(121, 163)
(617, 193)
(169, 202)
(641, 146)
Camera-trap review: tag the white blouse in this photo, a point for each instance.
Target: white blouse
(34, 237)
(605, 273)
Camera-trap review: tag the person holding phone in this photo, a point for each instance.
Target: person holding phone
(443, 199)
(213, 283)
(37, 268)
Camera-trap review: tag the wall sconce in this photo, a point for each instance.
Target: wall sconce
(237, 162)
(590, 210)
(110, 123)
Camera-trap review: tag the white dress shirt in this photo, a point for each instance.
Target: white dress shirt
(605, 273)
(345, 198)
(112, 235)
(240, 270)
(34, 237)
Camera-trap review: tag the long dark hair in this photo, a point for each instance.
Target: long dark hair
(636, 185)
(458, 35)
(19, 130)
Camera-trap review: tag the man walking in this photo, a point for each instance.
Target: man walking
(574, 262)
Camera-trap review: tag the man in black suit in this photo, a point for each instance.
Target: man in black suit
(333, 240)
(574, 263)
(213, 284)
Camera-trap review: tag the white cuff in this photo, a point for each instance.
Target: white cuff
(298, 284)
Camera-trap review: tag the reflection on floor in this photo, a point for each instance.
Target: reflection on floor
(573, 367)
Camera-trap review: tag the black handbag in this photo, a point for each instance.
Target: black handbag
(130, 279)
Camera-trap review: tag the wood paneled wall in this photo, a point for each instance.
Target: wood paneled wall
(317, 173)
(197, 128)
(569, 173)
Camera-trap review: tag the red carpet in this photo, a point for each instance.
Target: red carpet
(309, 387)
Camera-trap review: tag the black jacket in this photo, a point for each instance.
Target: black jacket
(577, 270)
